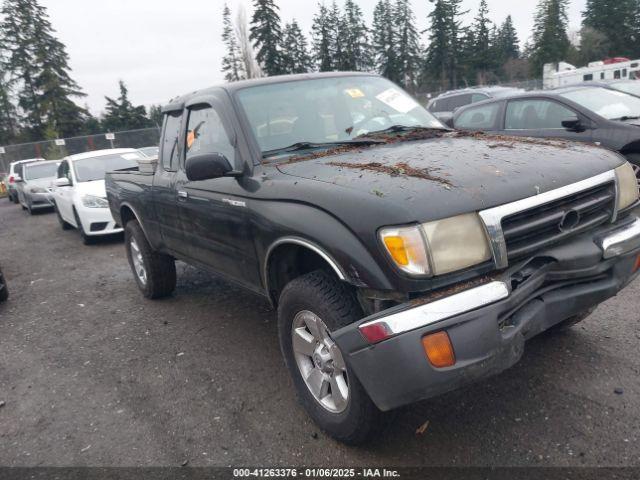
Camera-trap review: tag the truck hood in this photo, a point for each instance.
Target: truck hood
(456, 173)
(95, 188)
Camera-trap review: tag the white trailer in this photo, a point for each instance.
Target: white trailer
(562, 73)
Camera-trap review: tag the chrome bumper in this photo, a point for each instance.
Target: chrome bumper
(621, 241)
(617, 243)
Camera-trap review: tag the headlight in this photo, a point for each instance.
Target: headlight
(91, 201)
(439, 247)
(627, 185)
(38, 190)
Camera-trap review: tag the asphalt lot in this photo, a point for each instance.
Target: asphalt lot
(93, 374)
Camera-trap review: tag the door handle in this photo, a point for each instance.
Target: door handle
(183, 194)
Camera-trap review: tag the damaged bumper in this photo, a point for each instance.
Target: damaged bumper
(488, 323)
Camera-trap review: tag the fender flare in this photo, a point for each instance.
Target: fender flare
(302, 243)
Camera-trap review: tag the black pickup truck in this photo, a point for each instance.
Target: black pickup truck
(405, 259)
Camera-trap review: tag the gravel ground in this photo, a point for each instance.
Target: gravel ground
(93, 374)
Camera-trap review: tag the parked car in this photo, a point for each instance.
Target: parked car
(444, 105)
(151, 152)
(405, 260)
(15, 172)
(631, 87)
(4, 290)
(35, 187)
(79, 192)
(583, 113)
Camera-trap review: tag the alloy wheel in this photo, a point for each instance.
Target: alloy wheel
(320, 362)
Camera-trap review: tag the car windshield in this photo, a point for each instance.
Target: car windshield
(329, 110)
(609, 104)
(628, 87)
(44, 170)
(91, 169)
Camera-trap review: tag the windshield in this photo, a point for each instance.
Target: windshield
(44, 170)
(628, 87)
(335, 109)
(91, 169)
(609, 104)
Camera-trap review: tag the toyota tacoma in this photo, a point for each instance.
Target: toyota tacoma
(404, 259)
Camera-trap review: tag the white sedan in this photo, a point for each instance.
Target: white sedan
(79, 194)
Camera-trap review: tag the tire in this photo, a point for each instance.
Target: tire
(63, 224)
(159, 279)
(335, 305)
(4, 291)
(572, 321)
(86, 239)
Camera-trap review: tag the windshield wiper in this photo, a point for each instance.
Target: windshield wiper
(626, 117)
(311, 146)
(400, 129)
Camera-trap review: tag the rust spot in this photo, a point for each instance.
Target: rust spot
(397, 170)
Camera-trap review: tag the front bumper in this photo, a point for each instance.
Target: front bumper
(39, 200)
(97, 221)
(488, 323)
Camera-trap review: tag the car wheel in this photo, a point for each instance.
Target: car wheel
(310, 308)
(572, 321)
(86, 239)
(4, 291)
(154, 272)
(63, 224)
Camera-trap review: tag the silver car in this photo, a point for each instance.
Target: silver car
(34, 187)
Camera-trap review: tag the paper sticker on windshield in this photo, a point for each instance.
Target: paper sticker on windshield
(397, 100)
(130, 156)
(355, 92)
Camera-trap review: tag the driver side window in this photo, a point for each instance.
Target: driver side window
(206, 134)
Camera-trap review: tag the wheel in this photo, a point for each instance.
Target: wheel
(4, 291)
(64, 225)
(154, 272)
(310, 308)
(571, 321)
(86, 239)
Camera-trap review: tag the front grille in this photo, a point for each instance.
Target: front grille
(530, 230)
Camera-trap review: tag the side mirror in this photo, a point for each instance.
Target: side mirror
(573, 124)
(61, 182)
(17, 179)
(208, 166)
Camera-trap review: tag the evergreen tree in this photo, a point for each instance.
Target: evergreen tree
(121, 114)
(266, 35)
(232, 65)
(507, 42)
(322, 35)
(483, 55)
(338, 34)
(550, 40)
(357, 52)
(408, 46)
(8, 113)
(295, 54)
(385, 40)
(38, 66)
(617, 21)
(444, 42)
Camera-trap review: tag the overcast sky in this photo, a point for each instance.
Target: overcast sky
(165, 48)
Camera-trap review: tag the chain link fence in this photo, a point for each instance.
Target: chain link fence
(57, 149)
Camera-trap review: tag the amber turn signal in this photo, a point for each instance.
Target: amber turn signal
(439, 350)
(636, 266)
